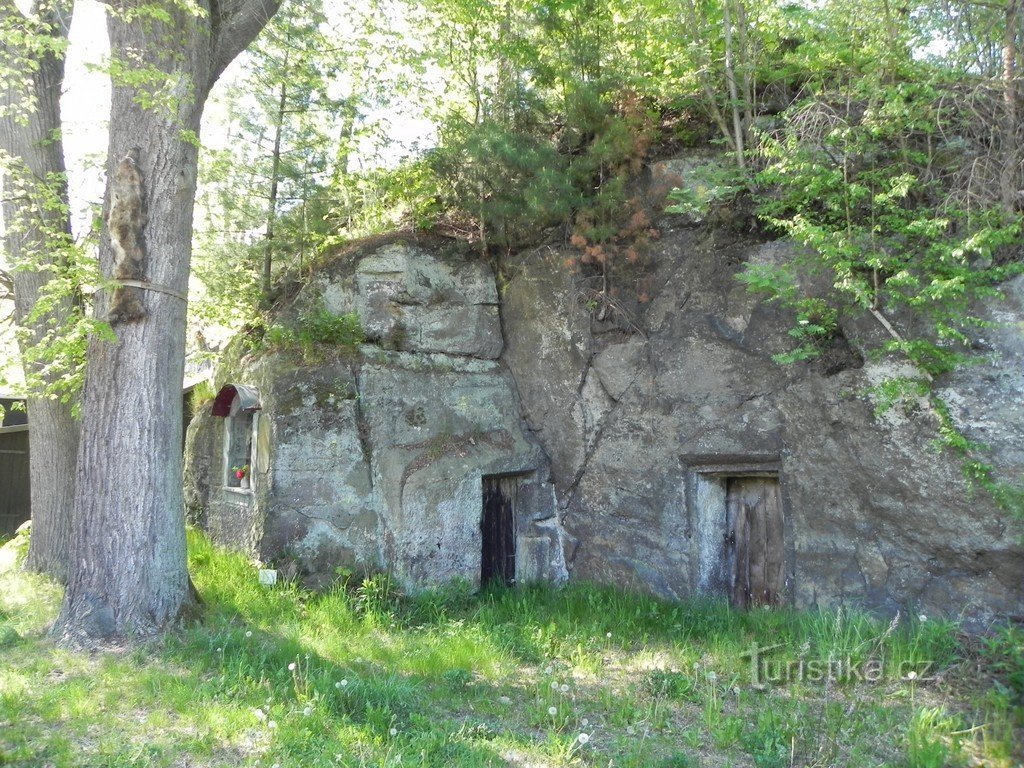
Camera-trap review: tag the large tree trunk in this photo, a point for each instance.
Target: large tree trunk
(38, 234)
(128, 573)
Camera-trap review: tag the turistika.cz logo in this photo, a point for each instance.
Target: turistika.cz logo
(765, 670)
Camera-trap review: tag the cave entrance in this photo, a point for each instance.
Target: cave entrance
(498, 530)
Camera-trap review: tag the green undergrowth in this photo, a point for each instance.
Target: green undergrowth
(365, 676)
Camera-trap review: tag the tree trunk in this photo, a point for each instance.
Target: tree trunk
(37, 236)
(1009, 177)
(128, 573)
(730, 78)
(275, 172)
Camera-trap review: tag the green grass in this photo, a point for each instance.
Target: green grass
(362, 676)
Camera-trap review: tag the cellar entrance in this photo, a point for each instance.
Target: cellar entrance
(498, 530)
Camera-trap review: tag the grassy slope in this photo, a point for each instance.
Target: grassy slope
(361, 678)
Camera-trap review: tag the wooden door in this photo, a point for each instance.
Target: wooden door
(498, 531)
(754, 540)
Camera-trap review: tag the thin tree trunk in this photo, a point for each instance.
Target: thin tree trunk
(37, 237)
(128, 573)
(1009, 180)
(698, 30)
(275, 171)
(730, 77)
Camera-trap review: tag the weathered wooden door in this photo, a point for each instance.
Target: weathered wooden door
(754, 541)
(498, 531)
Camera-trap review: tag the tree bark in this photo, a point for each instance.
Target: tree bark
(128, 574)
(36, 240)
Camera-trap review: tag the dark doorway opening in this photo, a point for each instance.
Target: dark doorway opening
(754, 548)
(498, 531)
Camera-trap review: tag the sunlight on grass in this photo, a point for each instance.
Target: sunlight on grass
(363, 676)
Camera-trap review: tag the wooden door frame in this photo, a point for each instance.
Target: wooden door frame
(705, 483)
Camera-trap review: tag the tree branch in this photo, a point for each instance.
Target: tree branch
(235, 24)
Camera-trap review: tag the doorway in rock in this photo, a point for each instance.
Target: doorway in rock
(753, 541)
(498, 530)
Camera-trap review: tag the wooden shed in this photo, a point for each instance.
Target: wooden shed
(15, 500)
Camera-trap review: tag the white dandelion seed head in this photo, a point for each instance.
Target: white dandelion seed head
(912, 676)
(554, 685)
(548, 670)
(712, 676)
(307, 711)
(249, 633)
(220, 650)
(608, 635)
(260, 715)
(563, 688)
(922, 618)
(291, 667)
(552, 711)
(585, 722)
(393, 732)
(272, 724)
(583, 738)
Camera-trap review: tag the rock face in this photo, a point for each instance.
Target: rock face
(648, 450)
(378, 461)
(646, 430)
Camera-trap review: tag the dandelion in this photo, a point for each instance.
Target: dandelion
(922, 618)
(291, 667)
(393, 731)
(548, 670)
(249, 633)
(307, 711)
(276, 765)
(272, 724)
(341, 684)
(504, 699)
(585, 722)
(583, 738)
(609, 635)
(563, 688)
(220, 650)
(554, 685)
(552, 711)
(712, 676)
(260, 715)
(912, 676)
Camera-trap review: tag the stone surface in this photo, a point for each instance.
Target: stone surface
(622, 435)
(874, 515)
(377, 458)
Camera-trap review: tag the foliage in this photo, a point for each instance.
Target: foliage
(315, 328)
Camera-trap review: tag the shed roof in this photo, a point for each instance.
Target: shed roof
(248, 399)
